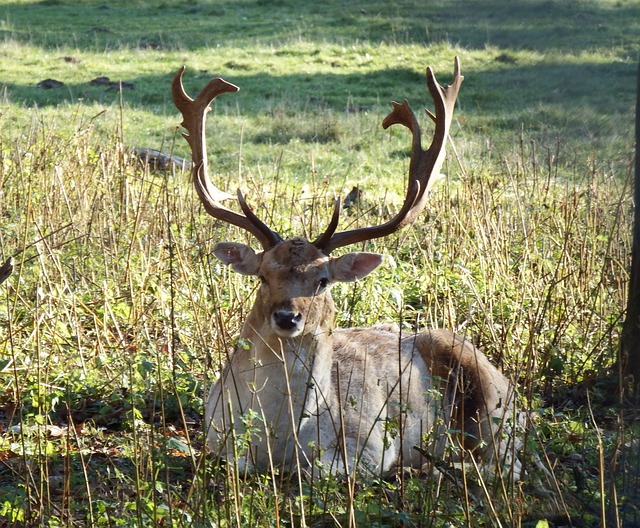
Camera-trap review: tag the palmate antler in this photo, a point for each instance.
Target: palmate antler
(194, 114)
(424, 163)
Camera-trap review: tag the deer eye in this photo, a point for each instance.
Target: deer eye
(262, 279)
(323, 283)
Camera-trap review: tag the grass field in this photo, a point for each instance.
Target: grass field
(117, 316)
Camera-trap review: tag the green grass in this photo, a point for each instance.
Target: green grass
(117, 316)
(547, 66)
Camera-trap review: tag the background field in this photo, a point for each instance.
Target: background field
(117, 316)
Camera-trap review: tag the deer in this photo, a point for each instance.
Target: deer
(299, 394)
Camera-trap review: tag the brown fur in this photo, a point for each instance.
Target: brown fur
(474, 386)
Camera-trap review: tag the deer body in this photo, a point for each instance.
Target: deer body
(303, 394)
(318, 394)
(338, 414)
(298, 394)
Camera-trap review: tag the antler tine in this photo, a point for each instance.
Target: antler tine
(423, 165)
(194, 114)
(325, 237)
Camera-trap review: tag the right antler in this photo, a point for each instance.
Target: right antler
(424, 164)
(194, 113)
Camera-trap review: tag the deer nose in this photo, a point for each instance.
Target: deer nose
(286, 319)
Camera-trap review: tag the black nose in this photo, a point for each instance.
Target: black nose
(286, 320)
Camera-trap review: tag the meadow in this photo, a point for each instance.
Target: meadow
(117, 316)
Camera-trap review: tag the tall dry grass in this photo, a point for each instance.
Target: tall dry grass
(117, 318)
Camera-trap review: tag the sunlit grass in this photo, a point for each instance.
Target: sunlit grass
(117, 317)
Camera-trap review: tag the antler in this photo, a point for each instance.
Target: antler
(424, 163)
(194, 113)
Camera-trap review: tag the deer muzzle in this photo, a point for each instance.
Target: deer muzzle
(287, 323)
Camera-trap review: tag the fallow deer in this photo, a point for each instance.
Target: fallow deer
(305, 396)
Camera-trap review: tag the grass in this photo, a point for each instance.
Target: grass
(117, 317)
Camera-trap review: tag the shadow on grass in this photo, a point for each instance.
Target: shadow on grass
(542, 25)
(566, 98)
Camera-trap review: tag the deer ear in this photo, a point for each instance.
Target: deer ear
(354, 266)
(241, 257)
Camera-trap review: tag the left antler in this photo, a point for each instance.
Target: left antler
(424, 164)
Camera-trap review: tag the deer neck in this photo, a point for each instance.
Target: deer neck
(306, 352)
(299, 366)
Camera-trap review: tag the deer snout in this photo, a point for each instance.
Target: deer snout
(286, 322)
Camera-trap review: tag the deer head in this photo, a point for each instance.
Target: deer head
(296, 278)
(297, 274)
